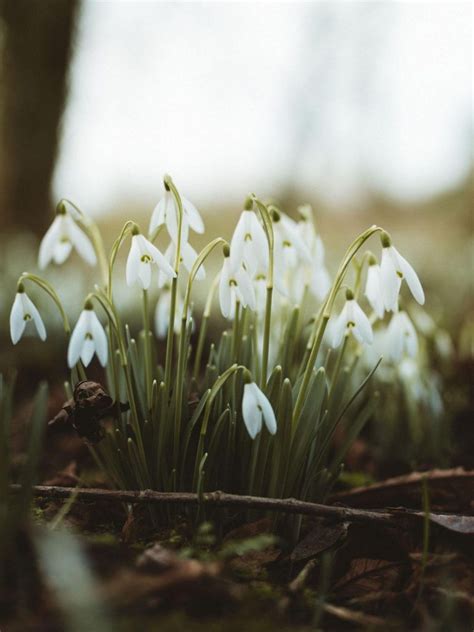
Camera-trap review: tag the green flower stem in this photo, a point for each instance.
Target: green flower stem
(93, 232)
(174, 288)
(266, 337)
(148, 353)
(203, 328)
(326, 313)
(183, 352)
(48, 288)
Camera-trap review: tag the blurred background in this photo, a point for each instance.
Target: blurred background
(363, 109)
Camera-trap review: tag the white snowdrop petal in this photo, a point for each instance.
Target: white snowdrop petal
(267, 411)
(35, 315)
(133, 262)
(61, 251)
(158, 258)
(77, 339)
(338, 329)
(46, 249)
(362, 323)
(87, 351)
(194, 217)
(411, 278)
(100, 339)
(390, 281)
(246, 289)
(237, 243)
(17, 321)
(81, 242)
(144, 274)
(158, 216)
(251, 414)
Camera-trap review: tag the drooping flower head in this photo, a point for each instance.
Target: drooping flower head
(143, 254)
(351, 320)
(166, 212)
(401, 337)
(249, 246)
(256, 410)
(187, 257)
(87, 338)
(393, 269)
(61, 237)
(234, 287)
(24, 311)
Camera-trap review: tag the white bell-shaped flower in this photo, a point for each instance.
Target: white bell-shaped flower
(401, 337)
(351, 320)
(24, 311)
(234, 287)
(143, 254)
(256, 409)
(166, 212)
(249, 244)
(187, 257)
(87, 338)
(61, 237)
(290, 247)
(162, 312)
(393, 269)
(319, 280)
(373, 288)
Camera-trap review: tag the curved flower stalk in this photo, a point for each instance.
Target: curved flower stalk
(24, 311)
(256, 409)
(351, 320)
(249, 246)
(234, 287)
(61, 237)
(88, 337)
(393, 269)
(401, 337)
(166, 212)
(143, 254)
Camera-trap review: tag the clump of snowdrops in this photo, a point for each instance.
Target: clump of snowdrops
(251, 408)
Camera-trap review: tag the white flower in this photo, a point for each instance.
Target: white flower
(249, 244)
(187, 257)
(24, 311)
(142, 255)
(87, 338)
(352, 320)
(233, 287)
(60, 238)
(393, 269)
(401, 337)
(162, 313)
(255, 409)
(290, 247)
(373, 289)
(320, 280)
(166, 212)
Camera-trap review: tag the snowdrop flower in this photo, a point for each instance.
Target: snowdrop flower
(166, 212)
(162, 312)
(61, 237)
(373, 287)
(87, 338)
(249, 244)
(233, 287)
(351, 320)
(23, 311)
(257, 409)
(401, 337)
(187, 257)
(320, 281)
(393, 269)
(290, 247)
(142, 255)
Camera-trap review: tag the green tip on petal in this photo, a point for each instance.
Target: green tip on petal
(61, 208)
(20, 288)
(88, 305)
(372, 260)
(275, 214)
(247, 376)
(385, 239)
(226, 250)
(166, 181)
(349, 295)
(135, 229)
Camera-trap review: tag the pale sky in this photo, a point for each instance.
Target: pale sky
(237, 97)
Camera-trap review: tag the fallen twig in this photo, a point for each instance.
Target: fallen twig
(393, 517)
